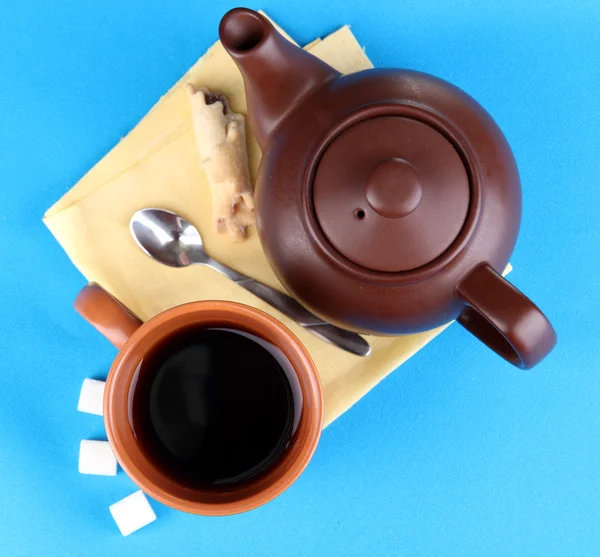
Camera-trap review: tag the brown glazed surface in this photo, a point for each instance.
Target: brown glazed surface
(108, 315)
(380, 192)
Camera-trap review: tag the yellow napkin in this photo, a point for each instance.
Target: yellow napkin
(157, 165)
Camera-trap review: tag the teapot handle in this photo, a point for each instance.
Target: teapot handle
(109, 316)
(504, 319)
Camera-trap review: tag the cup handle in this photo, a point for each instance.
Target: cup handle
(109, 316)
(504, 319)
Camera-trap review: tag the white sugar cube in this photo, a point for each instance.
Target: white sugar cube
(96, 457)
(91, 399)
(132, 513)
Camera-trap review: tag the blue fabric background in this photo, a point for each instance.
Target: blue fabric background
(457, 453)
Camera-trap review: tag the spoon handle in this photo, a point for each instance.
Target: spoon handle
(346, 340)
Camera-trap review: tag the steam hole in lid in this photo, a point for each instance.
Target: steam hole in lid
(360, 214)
(241, 31)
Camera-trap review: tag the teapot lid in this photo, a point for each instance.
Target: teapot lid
(391, 193)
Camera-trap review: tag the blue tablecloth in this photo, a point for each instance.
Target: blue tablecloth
(457, 453)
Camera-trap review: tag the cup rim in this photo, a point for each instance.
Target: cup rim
(151, 479)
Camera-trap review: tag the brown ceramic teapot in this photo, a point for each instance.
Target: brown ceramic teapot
(388, 200)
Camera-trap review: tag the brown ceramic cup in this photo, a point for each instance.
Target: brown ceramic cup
(134, 339)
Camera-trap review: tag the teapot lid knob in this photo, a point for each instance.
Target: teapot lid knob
(394, 188)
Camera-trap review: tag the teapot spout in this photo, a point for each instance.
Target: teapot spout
(277, 74)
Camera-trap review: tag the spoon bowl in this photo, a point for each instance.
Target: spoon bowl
(169, 238)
